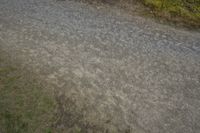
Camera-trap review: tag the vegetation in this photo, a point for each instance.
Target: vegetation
(182, 12)
(25, 107)
(186, 11)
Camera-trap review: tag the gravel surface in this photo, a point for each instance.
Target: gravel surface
(111, 71)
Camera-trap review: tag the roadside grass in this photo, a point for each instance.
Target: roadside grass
(179, 11)
(25, 107)
(182, 13)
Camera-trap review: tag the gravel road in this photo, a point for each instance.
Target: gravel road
(111, 71)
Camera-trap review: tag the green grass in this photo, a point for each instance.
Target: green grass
(180, 12)
(187, 11)
(25, 106)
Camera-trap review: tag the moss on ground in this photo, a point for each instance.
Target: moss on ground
(186, 11)
(25, 107)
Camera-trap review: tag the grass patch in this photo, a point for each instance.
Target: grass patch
(186, 11)
(25, 107)
(182, 13)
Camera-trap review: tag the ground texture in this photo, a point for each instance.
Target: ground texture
(109, 71)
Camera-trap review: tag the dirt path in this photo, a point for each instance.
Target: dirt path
(111, 72)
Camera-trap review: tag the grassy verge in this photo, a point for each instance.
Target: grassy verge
(179, 11)
(25, 107)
